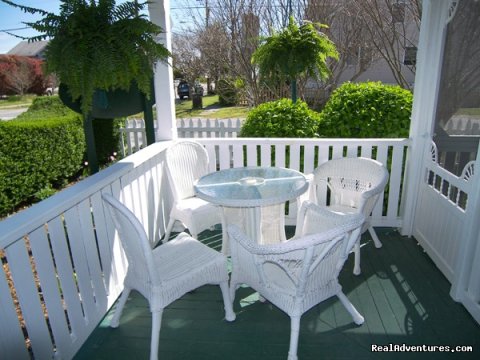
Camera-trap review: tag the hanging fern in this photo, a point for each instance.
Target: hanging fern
(96, 44)
(295, 51)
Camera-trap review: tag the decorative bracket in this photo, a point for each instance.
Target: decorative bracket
(452, 10)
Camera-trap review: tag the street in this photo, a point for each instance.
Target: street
(11, 113)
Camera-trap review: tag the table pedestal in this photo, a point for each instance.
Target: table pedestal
(264, 225)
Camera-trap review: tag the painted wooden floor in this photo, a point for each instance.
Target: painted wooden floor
(401, 294)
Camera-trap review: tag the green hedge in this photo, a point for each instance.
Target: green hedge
(107, 131)
(281, 118)
(367, 110)
(37, 154)
(45, 107)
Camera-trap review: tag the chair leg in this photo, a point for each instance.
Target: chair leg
(115, 321)
(294, 332)
(225, 244)
(229, 314)
(356, 266)
(233, 289)
(373, 234)
(156, 324)
(357, 317)
(171, 222)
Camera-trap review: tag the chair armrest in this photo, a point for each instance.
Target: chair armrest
(368, 195)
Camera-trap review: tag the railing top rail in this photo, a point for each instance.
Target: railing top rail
(16, 226)
(309, 141)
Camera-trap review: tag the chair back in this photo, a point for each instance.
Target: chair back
(186, 162)
(353, 182)
(312, 260)
(134, 240)
(313, 219)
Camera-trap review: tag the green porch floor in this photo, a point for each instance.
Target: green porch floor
(402, 295)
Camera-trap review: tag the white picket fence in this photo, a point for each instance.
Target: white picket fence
(134, 137)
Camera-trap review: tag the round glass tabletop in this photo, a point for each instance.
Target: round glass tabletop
(251, 186)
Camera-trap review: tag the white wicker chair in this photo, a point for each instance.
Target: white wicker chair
(166, 273)
(298, 274)
(186, 162)
(355, 185)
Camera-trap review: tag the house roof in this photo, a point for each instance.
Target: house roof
(33, 49)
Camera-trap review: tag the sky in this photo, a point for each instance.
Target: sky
(13, 18)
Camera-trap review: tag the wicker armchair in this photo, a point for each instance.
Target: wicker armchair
(355, 185)
(186, 162)
(166, 273)
(298, 274)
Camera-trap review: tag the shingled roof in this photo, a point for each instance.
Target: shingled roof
(32, 49)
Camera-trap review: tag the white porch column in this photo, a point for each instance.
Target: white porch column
(163, 81)
(429, 65)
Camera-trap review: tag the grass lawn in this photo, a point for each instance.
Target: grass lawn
(183, 108)
(17, 101)
(211, 109)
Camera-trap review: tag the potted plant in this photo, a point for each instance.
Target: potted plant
(98, 46)
(295, 51)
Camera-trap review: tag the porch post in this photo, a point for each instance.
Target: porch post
(159, 11)
(427, 80)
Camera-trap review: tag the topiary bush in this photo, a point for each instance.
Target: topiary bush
(367, 110)
(281, 118)
(227, 92)
(45, 107)
(38, 154)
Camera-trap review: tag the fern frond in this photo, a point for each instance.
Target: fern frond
(96, 44)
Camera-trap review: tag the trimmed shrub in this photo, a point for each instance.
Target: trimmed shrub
(107, 131)
(45, 107)
(107, 138)
(367, 110)
(227, 92)
(37, 155)
(281, 118)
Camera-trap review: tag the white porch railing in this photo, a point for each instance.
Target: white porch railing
(306, 154)
(64, 263)
(66, 267)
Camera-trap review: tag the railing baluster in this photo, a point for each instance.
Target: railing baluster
(29, 300)
(266, 155)
(280, 150)
(12, 341)
(50, 291)
(251, 154)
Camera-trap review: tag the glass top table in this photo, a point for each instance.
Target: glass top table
(251, 186)
(259, 192)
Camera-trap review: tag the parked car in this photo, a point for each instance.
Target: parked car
(183, 89)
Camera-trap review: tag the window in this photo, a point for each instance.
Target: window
(410, 57)
(457, 120)
(398, 12)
